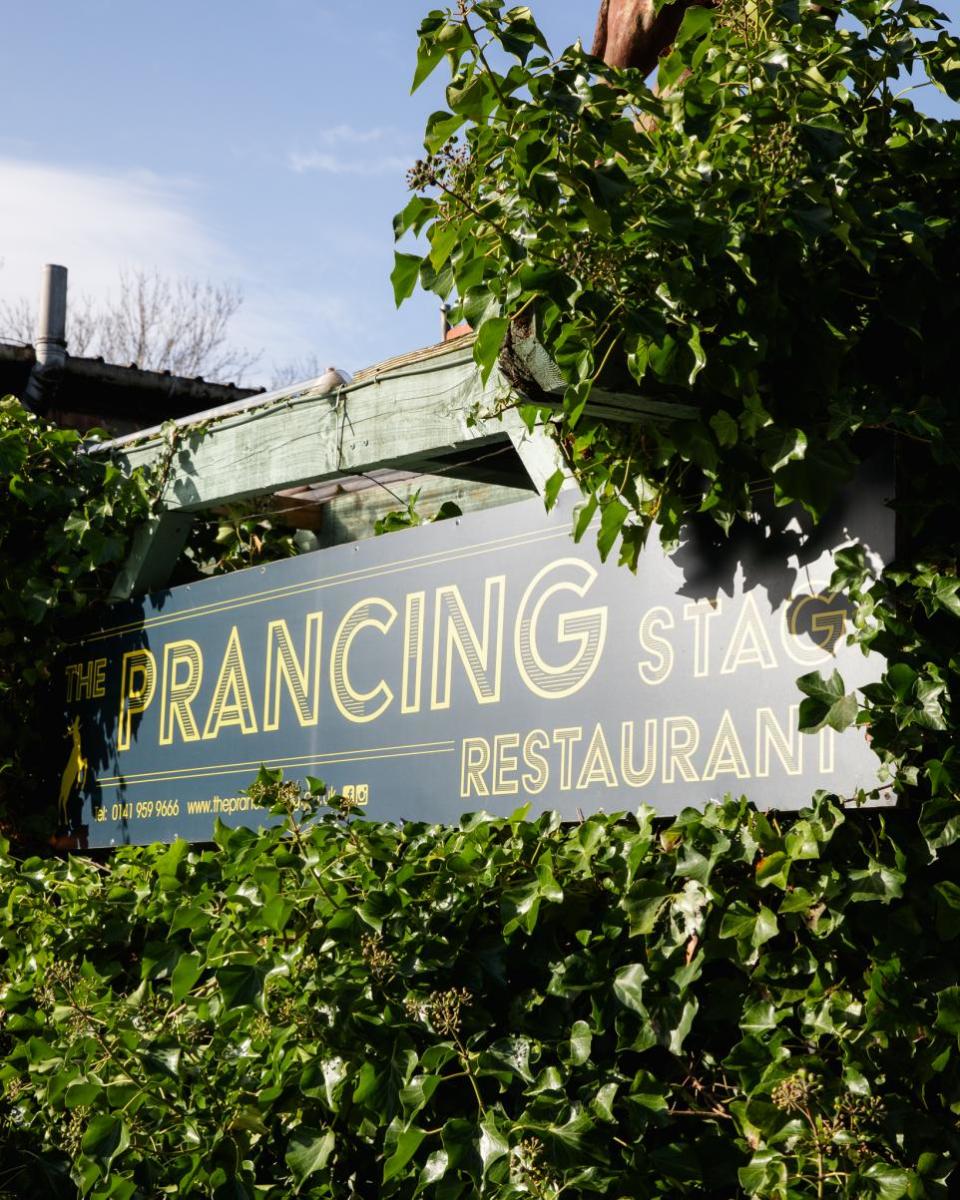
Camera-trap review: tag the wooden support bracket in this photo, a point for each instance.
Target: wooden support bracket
(157, 545)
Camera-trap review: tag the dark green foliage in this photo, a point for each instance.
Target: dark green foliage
(236, 536)
(66, 519)
(772, 239)
(725, 1005)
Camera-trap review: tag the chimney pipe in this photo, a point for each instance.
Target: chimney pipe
(444, 321)
(51, 344)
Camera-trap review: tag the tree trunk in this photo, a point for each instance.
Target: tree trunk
(630, 33)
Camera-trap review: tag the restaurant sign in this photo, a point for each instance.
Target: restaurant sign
(478, 663)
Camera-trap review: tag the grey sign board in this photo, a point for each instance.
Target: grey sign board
(478, 663)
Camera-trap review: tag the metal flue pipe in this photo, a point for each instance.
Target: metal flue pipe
(51, 344)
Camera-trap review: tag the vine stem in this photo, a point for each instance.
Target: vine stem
(483, 59)
(816, 1141)
(301, 846)
(613, 341)
(468, 1071)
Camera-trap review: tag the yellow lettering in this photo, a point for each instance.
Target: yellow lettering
(565, 738)
(232, 703)
(828, 747)
(628, 770)
(788, 749)
(505, 763)
(586, 628)
(535, 740)
(597, 764)
(352, 703)
(749, 643)
(412, 652)
(811, 628)
(87, 680)
(681, 737)
(99, 689)
(701, 612)
(84, 680)
(177, 695)
(482, 657)
(726, 755)
(138, 679)
(657, 671)
(474, 761)
(301, 678)
(71, 673)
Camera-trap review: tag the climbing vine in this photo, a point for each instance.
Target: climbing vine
(66, 520)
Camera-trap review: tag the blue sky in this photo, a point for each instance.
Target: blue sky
(262, 145)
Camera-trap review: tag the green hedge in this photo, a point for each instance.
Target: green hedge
(723, 1005)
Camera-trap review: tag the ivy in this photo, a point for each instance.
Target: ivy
(721, 1005)
(66, 518)
(763, 236)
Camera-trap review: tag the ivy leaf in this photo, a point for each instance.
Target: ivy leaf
(790, 445)
(241, 985)
(493, 1144)
(584, 517)
(489, 339)
(948, 909)
(725, 428)
(827, 703)
(696, 349)
(81, 1093)
(945, 594)
(581, 1040)
(185, 974)
(765, 1174)
(433, 1171)
(406, 270)
(105, 1137)
(407, 1144)
(552, 488)
(428, 58)
(308, 1151)
(892, 1183)
(628, 987)
(940, 822)
(611, 522)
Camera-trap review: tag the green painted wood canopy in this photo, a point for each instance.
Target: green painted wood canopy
(428, 413)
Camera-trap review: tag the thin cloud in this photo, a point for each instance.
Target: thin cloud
(95, 222)
(345, 150)
(339, 135)
(334, 164)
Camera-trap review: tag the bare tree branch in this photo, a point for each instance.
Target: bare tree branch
(161, 324)
(298, 371)
(18, 321)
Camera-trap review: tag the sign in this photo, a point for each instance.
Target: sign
(478, 663)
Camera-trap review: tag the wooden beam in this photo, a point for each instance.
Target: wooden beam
(392, 420)
(540, 370)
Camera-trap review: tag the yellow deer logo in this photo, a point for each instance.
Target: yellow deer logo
(75, 772)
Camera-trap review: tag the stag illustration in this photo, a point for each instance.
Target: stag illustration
(75, 772)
